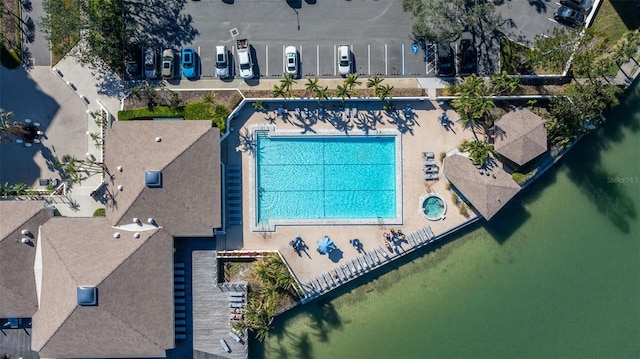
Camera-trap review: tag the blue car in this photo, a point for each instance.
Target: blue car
(188, 63)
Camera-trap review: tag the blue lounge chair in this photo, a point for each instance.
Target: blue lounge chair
(431, 176)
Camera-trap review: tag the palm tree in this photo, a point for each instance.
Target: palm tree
(468, 119)
(279, 91)
(503, 82)
(478, 151)
(343, 91)
(8, 127)
(352, 81)
(209, 98)
(373, 82)
(312, 85)
(286, 83)
(322, 93)
(384, 92)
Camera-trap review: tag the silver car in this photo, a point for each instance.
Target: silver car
(150, 64)
(222, 62)
(168, 64)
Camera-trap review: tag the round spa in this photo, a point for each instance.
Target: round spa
(433, 207)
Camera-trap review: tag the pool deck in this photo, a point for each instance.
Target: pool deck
(422, 132)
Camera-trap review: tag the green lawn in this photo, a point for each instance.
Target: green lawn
(614, 17)
(64, 32)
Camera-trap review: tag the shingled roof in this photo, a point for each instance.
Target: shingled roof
(134, 281)
(520, 136)
(17, 283)
(186, 158)
(487, 193)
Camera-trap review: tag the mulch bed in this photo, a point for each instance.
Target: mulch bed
(9, 25)
(230, 98)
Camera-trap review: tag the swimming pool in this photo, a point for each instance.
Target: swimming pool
(326, 179)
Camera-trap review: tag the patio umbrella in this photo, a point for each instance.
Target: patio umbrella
(325, 245)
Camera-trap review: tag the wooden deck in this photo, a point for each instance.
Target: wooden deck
(211, 309)
(17, 343)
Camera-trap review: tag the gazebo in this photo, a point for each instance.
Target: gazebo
(520, 136)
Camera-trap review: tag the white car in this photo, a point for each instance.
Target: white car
(291, 60)
(246, 64)
(222, 62)
(344, 60)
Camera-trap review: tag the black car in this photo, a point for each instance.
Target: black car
(132, 56)
(446, 63)
(569, 16)
(469, 58)
(580, 5)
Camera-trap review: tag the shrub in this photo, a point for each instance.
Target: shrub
(443, 155)
(455, 199)
(519, 178)
(155, 112)
(100, 212)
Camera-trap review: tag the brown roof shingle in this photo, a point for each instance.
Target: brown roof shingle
(134, 281)
(188, 155)
(17, 283)
(520, 136)
(487, 194)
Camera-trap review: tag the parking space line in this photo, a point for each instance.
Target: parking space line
(266, 49)
(369, 59)
(334, 60)
(317, 60)
(403, 62)
(386, 72)
(283, 56)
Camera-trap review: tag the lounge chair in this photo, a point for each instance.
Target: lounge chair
(430, 232)
(429, 162)
(431, 169)
(431, 176)
(355, 112)
(428, 155)
(235, 337)
(225, 346)
(236, 294)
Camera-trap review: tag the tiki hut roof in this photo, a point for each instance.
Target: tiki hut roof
(520, 136)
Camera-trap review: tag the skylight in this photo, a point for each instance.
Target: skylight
(87, 296)
(153, 179)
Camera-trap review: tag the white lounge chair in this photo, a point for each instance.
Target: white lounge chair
(225, 346)
(429, 162)
(431, 176)
(428, 155)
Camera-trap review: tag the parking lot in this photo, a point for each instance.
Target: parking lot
(377, 31)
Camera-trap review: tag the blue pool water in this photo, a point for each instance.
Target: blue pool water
(323, 177)
(433, 207)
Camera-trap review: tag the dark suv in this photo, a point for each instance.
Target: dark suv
(569, 16)
(132, 54)
(468, 58)
(446, 63)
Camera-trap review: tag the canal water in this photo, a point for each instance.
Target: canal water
(555, 274)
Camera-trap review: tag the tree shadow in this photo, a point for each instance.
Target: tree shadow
(539, 5)
(158, 23)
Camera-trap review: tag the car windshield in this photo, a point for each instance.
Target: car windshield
(148, 61)
(565, 12)
(187, 60)
(343, 63)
